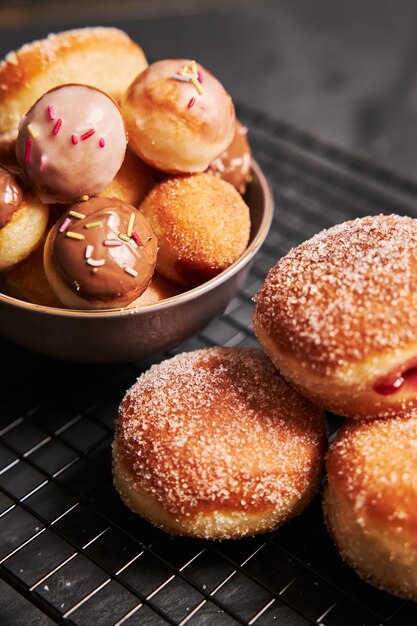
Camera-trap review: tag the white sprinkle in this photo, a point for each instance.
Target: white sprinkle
(218, 165)
(89, 251)
(96, 262)
(130, 270)
(236, 162)
(44, 162)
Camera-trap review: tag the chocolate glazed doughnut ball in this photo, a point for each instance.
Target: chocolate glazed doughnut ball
(214, 444)
(178, 115)
(101, 254)
(370, 502)
(202, 225)
(71, 143)
(338, 317)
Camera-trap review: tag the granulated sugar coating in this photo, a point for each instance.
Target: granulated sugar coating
(370, 502)
(347, 293)
(219, 430)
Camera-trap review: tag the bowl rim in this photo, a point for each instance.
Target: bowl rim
(182, 297)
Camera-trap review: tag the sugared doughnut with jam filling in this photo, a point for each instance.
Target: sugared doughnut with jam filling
(100, 254)
(338, 316)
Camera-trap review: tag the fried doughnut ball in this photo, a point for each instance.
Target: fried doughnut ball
(101, 254)
(178, 116)
(159, 289)
(233, 164)
(202, 225)
(338, 317)
(23, 221)
(27, 281)
(214, 444)
(71, 143)
(370, 502)
(132, 182)
(105, 58)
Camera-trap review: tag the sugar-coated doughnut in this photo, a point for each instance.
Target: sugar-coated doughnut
(105, 58)
(338, 316)
(178, 115)
(370, 502)
(233, 164)
(132, 182)
(71, 143)
(215, 444)
(100, 254)
(23, 220)
(202, 225)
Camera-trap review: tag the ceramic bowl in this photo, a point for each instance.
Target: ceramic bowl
(118, 335)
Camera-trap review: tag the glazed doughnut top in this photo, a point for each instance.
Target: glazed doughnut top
(376, 462)
(71, 143)
(103, 247)
(346, 294)
(11, 196)
(222, 428)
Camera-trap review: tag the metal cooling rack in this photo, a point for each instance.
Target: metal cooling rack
(71, 552)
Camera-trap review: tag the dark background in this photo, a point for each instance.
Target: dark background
(346, 71)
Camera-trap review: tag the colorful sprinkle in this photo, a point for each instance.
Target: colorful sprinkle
(28, 148)
(194, 67)
(191, 103)
(101, 143)
(93, 224)
(84, 198)
(87, 134)
(130, 270)
(197, 85)
(96, 262)
(77, 215)
(89, 251)
(184, 70)
(123, 237)
(33, 131)
(183, 78)
(57, 126)
(74, 139)
(130, 225)
(112, 243)
(73, 235)
(199, 76)
(51, 112)
(64, 225)
(44, 162)
(138, 241)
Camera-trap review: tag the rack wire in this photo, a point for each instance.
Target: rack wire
(72, 553)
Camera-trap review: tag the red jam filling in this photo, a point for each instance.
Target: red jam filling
(397, 379)
(195, 275)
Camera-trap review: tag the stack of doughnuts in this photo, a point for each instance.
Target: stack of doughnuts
(337, 317)
(84, 117)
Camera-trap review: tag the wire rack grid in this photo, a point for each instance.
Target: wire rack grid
(72, 553)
